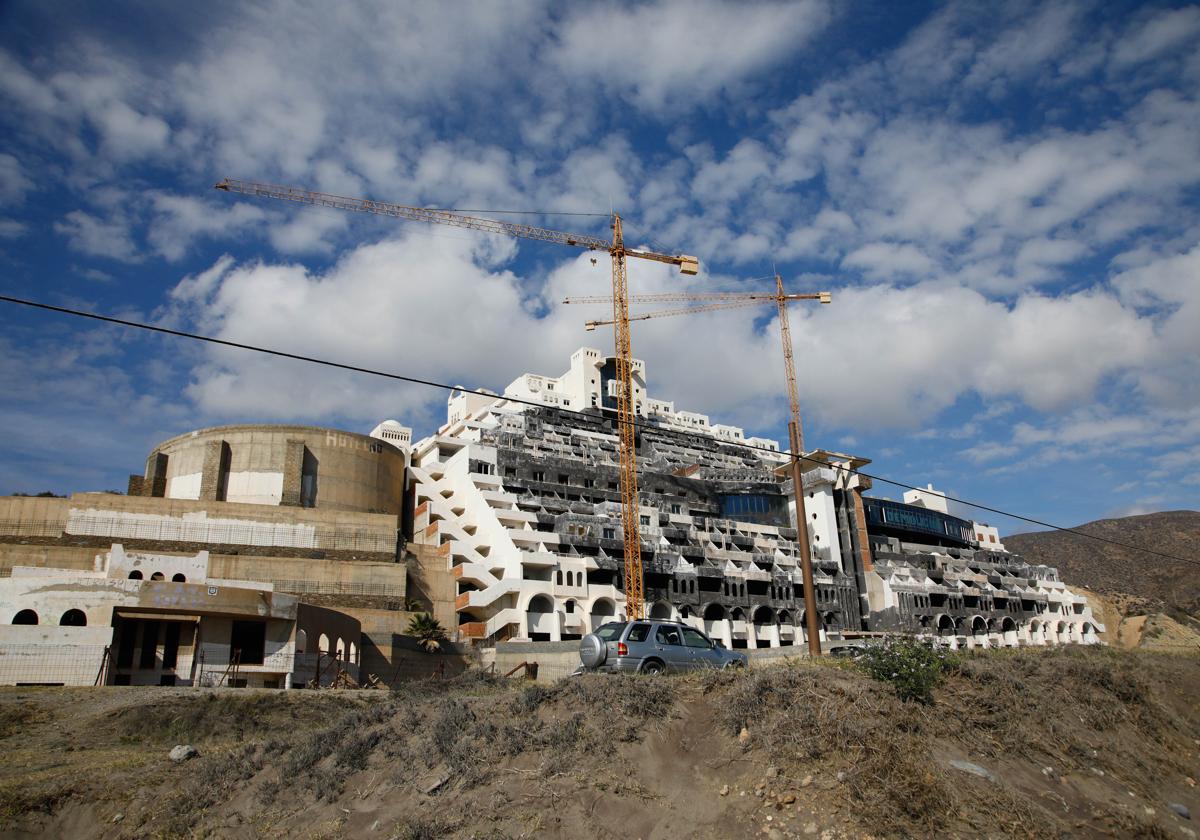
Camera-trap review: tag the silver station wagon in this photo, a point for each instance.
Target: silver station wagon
(652, 646)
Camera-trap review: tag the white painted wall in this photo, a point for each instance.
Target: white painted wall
(184, 486)
(257, 488)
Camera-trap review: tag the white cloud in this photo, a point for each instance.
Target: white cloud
(11, 228)
(14, 184)
(884, 260)
(666, 54)
(89, 234)
(1164, 31)
(990, 451)
(179, 220)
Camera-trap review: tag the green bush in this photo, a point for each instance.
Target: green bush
(913, 668)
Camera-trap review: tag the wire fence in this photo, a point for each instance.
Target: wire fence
(124, 526)
(95, 665)
(33, 664)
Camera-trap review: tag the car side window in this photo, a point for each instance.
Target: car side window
(694, 638)
(667, 636)
(639, 632)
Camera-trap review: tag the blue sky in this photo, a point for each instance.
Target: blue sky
(1002, 198)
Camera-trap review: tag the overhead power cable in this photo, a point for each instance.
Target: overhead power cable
(639, 423)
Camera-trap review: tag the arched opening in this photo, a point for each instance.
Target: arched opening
(340, 651)
(158, 576)
(661, 609)
(832, 622)
(1007, 625)
(73, 618)
(737, 614)
(539, 618)
(569, 607)
(178, 578)
(604, 609)
(301, 641)
(558, 579)
(540, 604)
(25, 617)
(714, 612)
(353, 653)
(765, 632)
(135, 575)
(323, 644)
(978, 626)
(685, 611)
(945, 625)
(764, 615)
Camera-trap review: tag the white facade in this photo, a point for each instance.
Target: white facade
(141, 618)
(523, 502)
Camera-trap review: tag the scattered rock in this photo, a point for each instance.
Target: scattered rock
(1148, 811)
(744, 736)
(827, 834)
(772, 772)
(806, 781)
(760, 785)
(118, 817)
(841, 775)
(1187, 832)
(774, 834)
(375, 825)
(183, 752)
(1047, 771)
(973, 769)
(436, 785)
(724, 790)
(758, 793)
(810, 828)
(1181, 810)
(1097, 771)
(1190, 781)
(789, 799)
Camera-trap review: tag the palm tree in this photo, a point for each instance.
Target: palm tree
(427, 630)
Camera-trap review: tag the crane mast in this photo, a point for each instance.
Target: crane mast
(631, 531)
(708, 302)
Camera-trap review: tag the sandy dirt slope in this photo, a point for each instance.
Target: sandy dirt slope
(1083, 742)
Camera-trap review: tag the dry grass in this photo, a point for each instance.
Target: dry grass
(470, 739)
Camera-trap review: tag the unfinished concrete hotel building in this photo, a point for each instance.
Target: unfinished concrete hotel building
(519, 493)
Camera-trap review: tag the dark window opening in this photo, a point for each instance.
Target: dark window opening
(135, 575)
(171, 646)
(149, 655)
(250, 638)
(25, 617)
(73, 618)
(178, 578)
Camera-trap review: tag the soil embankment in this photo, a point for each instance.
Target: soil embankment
(1057, 742)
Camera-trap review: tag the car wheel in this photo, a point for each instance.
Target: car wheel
(652, 667)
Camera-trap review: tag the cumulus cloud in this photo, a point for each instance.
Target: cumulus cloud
(110, 237)
(180, 220)
(668, 53)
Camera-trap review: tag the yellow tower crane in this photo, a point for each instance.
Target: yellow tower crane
(708, 302)
(634, 583)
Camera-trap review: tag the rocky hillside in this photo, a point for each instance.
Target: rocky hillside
(1173, 585)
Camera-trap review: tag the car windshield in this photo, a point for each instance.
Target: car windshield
(609, 632)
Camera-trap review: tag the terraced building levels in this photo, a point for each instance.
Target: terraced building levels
(524, 504)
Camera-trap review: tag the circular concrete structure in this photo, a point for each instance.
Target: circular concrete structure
(300, 466)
